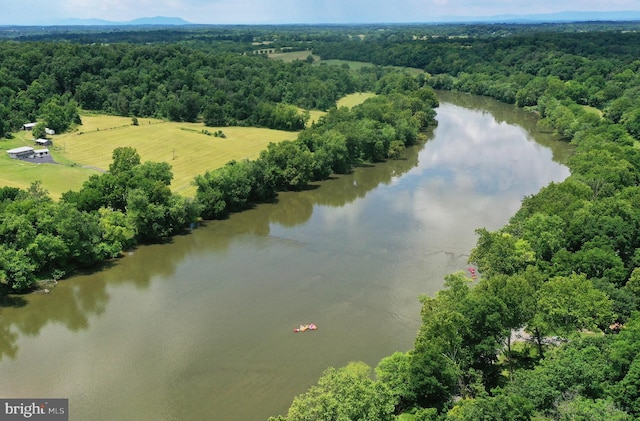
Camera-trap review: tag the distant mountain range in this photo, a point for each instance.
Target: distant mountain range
(533, 18)
(158, 20)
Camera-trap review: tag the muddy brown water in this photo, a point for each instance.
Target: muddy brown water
(202, 328)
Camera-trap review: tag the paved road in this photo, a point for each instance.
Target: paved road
(47, 159)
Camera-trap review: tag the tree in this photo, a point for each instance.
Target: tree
(440, 360)
(499, 407)
(347, 393)
(16, 269)
(394, 372)
(331, 155)
(626, 365)
(566, 304)
(506, 304)
(118, 232)
(628, 390)
(39, 131)
(124, 159)
(226, 189)
(290, 164)
(545, 233)
(5, 128)
(583, 409)
(59, 113)
(500, 253)
(581, 367)
(631, 121)
(603, 165)
(214, 115)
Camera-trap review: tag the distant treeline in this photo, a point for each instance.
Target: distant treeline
(51, 81)
(500, 66)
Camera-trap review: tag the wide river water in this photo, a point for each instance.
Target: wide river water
(202, 328)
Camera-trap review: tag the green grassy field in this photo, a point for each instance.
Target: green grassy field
(357, 65)
(592, 109)
(353, 65)
(293, 55)
(88, 149)
(183, 145)
(349, 101)
(354, 99)
(57, 179)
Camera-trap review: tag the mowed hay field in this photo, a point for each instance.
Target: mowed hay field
(293, 56)
(89, 149)
(183, 145)
(348, 101)
(352, 100)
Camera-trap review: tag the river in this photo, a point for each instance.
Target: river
(202, 328)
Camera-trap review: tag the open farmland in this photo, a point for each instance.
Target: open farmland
(183, 145)
(293, 55)
(348, 101)
(88, 149)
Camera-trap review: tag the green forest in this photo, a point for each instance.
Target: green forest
(549, 331)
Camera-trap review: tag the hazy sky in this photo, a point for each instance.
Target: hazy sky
(290, 11)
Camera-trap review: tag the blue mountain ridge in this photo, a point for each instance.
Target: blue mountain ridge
(157, 20)
(512, 18)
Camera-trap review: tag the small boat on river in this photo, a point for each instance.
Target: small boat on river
(304, 328)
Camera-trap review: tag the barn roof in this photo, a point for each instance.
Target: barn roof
(20, 149)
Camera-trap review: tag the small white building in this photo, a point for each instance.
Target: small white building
(22, 152)
(39, 153)
(30, 126)
(42, 142)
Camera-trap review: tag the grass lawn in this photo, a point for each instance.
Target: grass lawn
(57, 179)
(88, 150)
